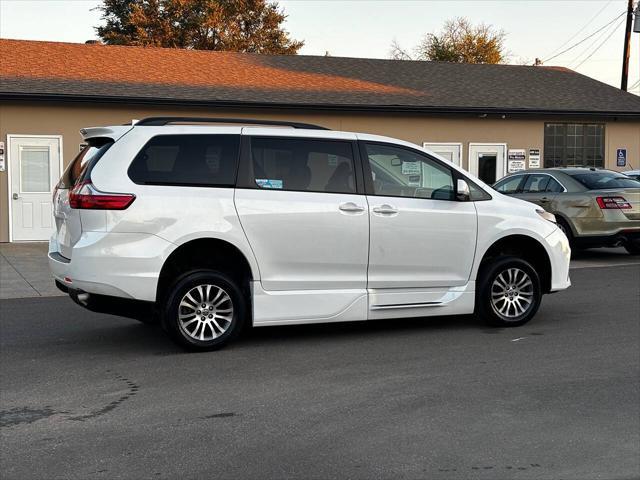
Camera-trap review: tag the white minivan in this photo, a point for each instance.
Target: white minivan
(211, 224)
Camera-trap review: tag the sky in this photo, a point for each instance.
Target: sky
(366, 28)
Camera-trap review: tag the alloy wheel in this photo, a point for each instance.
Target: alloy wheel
(512, 293)
(205, 312)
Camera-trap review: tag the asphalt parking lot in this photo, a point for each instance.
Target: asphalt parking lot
(92, 396)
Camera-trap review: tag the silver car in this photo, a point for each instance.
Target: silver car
(594, 207)
(635, 174)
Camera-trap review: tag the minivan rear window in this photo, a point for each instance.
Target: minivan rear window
(187, 160)
(81, 166)
(602, 180)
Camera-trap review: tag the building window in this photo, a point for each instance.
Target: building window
(573, 144)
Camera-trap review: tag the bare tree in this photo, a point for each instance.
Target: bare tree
(396, 52)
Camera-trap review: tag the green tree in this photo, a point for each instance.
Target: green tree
(459, 42)
(229, 25)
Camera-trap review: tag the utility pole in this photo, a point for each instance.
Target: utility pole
(627, 47)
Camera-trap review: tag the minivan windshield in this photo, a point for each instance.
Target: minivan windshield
(84, 162)
(603, 179)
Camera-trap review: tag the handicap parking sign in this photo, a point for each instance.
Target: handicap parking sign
(621, 157)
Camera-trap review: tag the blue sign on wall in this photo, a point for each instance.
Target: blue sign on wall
(621, 157)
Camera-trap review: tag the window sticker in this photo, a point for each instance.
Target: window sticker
(269, 183)
(411, 168)
(333, 160)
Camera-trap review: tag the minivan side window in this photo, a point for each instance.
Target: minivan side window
(402, 172)
(509, 185)
(187, 160)
(476, 194)
(303, 164)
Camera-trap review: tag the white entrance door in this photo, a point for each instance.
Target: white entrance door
(487, 161)
(34, 170)
(450, 151)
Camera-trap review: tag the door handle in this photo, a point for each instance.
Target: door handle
(385, 209)
(350, 207)
(15, 196)
(544, 199)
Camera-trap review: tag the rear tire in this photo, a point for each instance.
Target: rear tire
(204, 310)
(632, 248)
(509, 292)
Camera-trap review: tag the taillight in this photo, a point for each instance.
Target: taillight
(606, 203)
(85, 196)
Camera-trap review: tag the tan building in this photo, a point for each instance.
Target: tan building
(490, 119)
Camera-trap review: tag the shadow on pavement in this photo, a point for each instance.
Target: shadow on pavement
(56, 324)
(342, 330)
(602, 257)
(151, 339)
(617, 253)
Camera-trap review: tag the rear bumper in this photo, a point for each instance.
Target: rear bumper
(622, 237)
(122, 307)
(609, 224)
(123, 265)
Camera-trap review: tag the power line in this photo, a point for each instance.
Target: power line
(599, 46)
(583, 27)
(586, 38)
(601, 35)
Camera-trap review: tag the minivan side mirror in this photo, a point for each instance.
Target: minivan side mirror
(463, 194)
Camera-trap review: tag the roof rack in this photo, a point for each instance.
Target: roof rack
(161, 121)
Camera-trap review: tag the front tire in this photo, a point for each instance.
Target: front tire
(509, 292)
(204, 310)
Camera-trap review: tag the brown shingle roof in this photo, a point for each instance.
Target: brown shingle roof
(69, 71)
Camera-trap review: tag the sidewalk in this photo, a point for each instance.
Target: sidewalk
(24, 271)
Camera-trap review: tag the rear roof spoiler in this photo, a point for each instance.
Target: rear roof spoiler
(114, 132)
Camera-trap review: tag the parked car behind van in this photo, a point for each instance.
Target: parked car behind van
(593, 207)
(635, 174)
(210, 227)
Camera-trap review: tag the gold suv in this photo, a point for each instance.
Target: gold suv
(594, 207)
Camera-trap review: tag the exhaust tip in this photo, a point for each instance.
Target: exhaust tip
(80, 297)
(83, 298)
